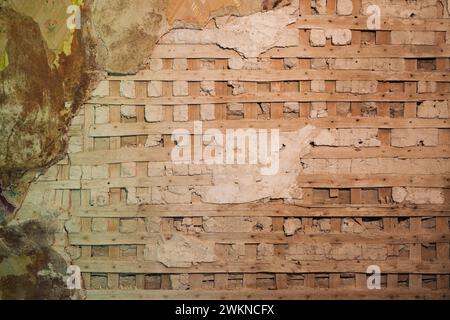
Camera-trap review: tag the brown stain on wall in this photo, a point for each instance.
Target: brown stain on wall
(33, 99)
(37, 101)
(29, 267)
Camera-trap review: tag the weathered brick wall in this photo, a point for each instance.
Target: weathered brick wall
(364, 170)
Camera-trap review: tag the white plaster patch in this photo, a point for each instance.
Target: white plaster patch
(418, 195)
(183, 251)
(249, 35)
(245, 183)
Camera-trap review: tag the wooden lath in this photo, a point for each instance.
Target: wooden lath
(116, 183)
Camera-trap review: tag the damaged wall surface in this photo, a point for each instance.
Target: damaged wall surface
(363, 173)
(37, 99)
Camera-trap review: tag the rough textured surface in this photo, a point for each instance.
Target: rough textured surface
(291, 226)
(250, 35)
(347, 137)
(418, 195)
(182, 251)
(414, 137)
(344, 7)
(405, 8)
(230, 182)
(433, 109)
(200, 12)
(29, 267)
(127, 32)
(37, 101)
(240, 224)
(351, 191)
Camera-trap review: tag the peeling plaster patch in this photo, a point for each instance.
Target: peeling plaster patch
(418, 195)
(433, 109)
(244, 183)
(183, 251)
(339, 37)
(291, 225)
(347, 137)
(180, 281)
(414, 137)
(250, 35)
(344, 7)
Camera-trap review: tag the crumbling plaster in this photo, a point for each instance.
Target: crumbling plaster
(116, 37)
(123, 36)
